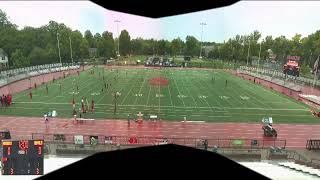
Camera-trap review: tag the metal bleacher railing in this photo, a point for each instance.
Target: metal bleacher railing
(276, 74)
(12, 75)
(313, 144)
(192, 142)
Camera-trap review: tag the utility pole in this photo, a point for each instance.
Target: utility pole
(202, 24)
(153, 48)
(234, 60)
(59, 48)
(118, 21)
(248, 53)
(259, 56)
(70, 50)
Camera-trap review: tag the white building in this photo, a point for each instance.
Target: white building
(207, 49)
(3, 59)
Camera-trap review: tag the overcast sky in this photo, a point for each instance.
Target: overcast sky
(269, 17)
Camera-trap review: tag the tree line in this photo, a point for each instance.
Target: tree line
(35, 46)
(236, 48)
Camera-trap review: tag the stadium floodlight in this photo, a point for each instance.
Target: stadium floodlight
(118, 21)
(248, 53)
(259, 55)
(70, 50)
(202, 24)
(59, 47)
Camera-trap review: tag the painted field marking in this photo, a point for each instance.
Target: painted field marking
(188, 90)
(144, 79)
(178, 91)
(181, 96)
(170, 96)
(182, 107)
(224, 97)
(244, 97)
(202, 97)
(194, 122)
(159, 95)
(73, 92)
(95, 94)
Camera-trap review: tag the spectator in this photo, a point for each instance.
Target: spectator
(46, 120)
(92, 105)
(205, 143)
(30, 95)
(80, 114)
(1, 100)
(6, 100)
(9, 99)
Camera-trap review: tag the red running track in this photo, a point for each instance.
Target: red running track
(23, 127)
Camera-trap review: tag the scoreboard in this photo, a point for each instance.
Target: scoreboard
(24, 157)
(4, 135)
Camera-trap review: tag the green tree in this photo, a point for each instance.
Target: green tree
(304, 69)
(84, 49)
(76, 39)
(137, 46)
(125, 45)
(96, 38)
(4, 21)
(38, 56)
(105, 45)
(89, 37)
(192, 47)
(176, 46)
(18, 59)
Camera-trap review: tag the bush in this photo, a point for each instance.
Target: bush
(304, 69)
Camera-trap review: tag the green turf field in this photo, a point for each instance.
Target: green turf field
(196, 94)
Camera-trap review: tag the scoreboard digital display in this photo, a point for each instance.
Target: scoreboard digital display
(5, 135)
(24, 157)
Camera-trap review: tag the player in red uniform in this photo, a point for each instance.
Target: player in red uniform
(30, 95)
(9, 99)
(315, 114)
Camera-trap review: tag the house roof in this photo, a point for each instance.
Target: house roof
(2, 52)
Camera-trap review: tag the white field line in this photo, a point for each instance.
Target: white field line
(179, 91)
(184, 107)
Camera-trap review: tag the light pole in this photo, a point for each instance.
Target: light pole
(70, 49)
(117, 21)
(259, 56)
(59, 47)
(248, 53)
(153, 48)
(234, 59)
(202, 24)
